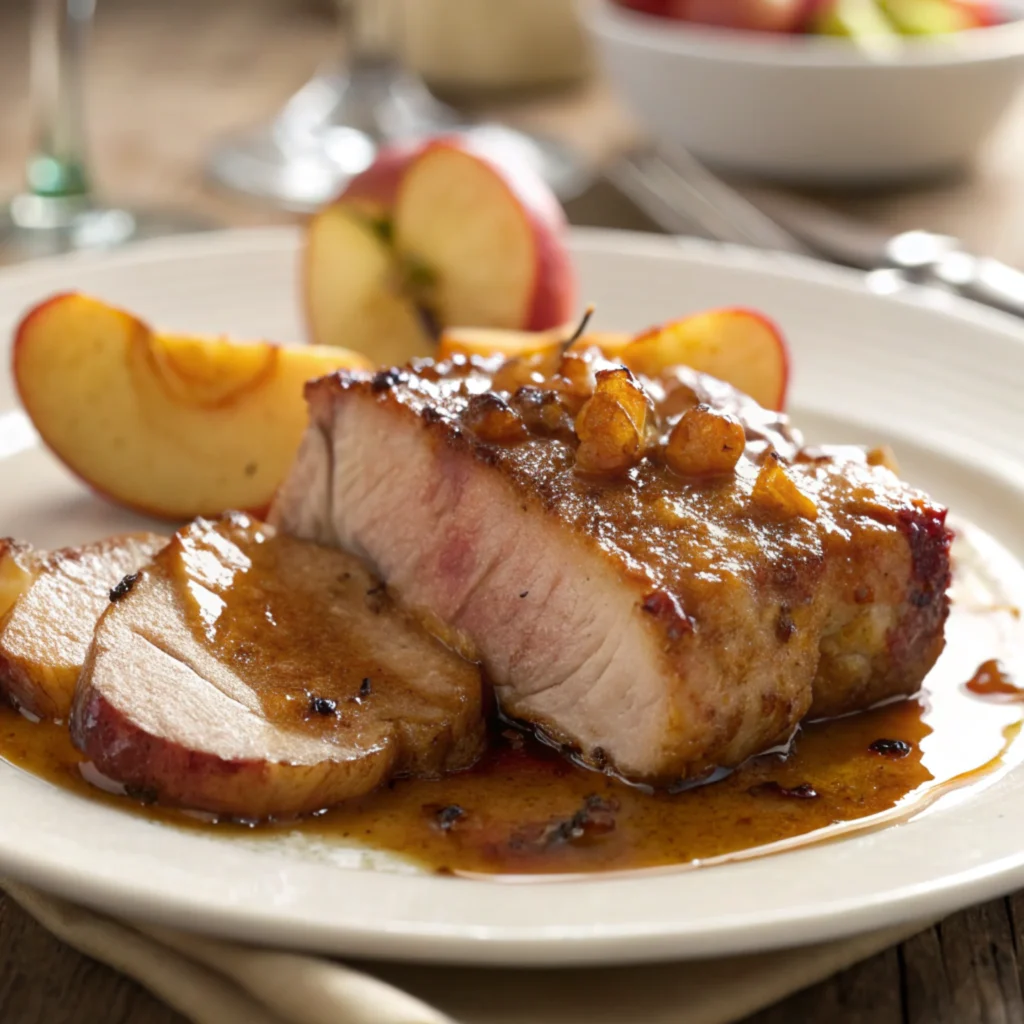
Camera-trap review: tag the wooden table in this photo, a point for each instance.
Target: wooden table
(165, 81)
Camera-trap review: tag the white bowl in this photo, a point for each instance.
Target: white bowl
(810, 109)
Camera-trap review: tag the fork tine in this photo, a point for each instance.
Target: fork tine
(672, 187)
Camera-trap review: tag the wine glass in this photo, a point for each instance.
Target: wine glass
(57, 211)
(334, 126)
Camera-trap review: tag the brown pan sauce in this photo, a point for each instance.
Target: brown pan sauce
(525, 810)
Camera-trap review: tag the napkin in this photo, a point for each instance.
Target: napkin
(213, 982)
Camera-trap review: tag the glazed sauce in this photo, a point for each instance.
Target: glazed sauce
(525, 811)
(992, 682)
(310, 631)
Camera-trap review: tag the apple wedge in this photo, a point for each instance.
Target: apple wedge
(435, 236)
(741, 347)
(170, 426)
(475, 341)
(354, 293)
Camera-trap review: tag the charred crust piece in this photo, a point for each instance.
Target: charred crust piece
(594, 819)
(384, 380)
(446, 818)
(896, 749)
(804, 791)
(930, 541)
(323, 706)
(666, 609)
(124, 587)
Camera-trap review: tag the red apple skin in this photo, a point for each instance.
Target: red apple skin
(22, 334)
(554, 290)
(377, 186)
(982, 12)
(554, 293)
(752, 15)
(809, 16)
(659, 8)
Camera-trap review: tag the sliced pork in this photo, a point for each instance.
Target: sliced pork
(654, 573)
(254, 675)
(49, 604)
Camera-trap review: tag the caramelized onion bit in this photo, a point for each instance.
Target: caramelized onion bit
(776, 490)
(575, 380)
(533, 369)
(612, 425)
(543, 412)
(705, 443)
(492, 420)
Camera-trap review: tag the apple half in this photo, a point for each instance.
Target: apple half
(430, 237)
(167, 425)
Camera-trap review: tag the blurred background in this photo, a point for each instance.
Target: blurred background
(178, 101)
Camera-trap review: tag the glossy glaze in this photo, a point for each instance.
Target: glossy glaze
(992, 682)
(524, 809)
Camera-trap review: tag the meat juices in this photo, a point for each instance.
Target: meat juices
(629, 595)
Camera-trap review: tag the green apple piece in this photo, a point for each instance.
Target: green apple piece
(861, 20)
(926, 17)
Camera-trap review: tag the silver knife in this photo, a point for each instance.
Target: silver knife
(676, 191)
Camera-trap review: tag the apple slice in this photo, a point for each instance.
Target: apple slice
(492, 341)
(487, 240)
(354, 290)
(435, 236)
(741, 347)
(485, 342)
(167, 425)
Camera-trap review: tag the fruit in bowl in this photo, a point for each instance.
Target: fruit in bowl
(755, 15)
(851, 18)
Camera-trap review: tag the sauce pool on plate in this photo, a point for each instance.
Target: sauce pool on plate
(526, 811)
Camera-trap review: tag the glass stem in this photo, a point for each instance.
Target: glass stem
(371, 29)
(57, 168)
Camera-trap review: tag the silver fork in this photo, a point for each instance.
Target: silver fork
(680, 195)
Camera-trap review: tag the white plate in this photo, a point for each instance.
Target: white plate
(945, 385)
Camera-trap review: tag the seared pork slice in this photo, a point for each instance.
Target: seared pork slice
(255, 675)
(49, 605)
(654, 573)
